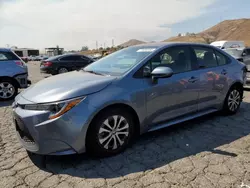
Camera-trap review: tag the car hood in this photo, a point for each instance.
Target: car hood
(66, 86)
(237, 57)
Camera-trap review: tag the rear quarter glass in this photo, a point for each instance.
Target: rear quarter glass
(8, 56)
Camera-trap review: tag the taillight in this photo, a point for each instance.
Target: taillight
(47, 64)
(20, 63)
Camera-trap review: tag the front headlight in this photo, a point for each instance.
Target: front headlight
(56, 109)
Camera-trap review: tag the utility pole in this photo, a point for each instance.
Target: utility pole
(104, 45)
(96, 44)
(112, 42)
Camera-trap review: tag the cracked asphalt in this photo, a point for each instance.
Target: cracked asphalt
(212, 151)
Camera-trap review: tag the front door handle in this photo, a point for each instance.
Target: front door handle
(193, 79)
(224, 72)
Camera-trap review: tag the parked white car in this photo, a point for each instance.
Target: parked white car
(228, 44)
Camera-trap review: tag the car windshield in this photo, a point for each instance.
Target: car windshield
(120, 62)
(234, 52)
(218, 46)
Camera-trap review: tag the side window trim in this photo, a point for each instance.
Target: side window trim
(192, 53)
(216, 57)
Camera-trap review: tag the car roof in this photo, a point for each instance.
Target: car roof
(65, 55)
(242, 48)
(5, 50)
(168, 44)
(70, 54)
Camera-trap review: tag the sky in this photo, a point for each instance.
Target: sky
(72, 24)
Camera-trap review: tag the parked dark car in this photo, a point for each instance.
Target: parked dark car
(64, 63)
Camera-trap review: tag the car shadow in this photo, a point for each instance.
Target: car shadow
(6, 103)
(157, 149)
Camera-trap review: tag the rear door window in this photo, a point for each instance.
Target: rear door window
(85, 58)
(221, 59)
(69, 58)
(8, 56)
(205, 56)
(78, 58)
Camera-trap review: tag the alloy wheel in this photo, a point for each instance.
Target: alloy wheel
(62, 70)
(7, 90)
(234, 100)
(113, 132)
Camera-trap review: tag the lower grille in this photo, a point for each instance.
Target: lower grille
(28, 140)
(25, 135)
(23, 81)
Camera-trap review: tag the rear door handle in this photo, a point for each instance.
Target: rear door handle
(224, 72)
(193, 79)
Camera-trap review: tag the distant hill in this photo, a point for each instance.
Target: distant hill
(131, 42)
(227, 30)
(196, 38)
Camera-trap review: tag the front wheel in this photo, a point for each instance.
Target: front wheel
(110, 133)
(8, 89)
(233, 100)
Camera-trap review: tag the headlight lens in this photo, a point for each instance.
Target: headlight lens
(56, 109)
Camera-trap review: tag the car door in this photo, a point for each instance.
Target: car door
(82, 61)
(213, 72)
(68, 62)
(176, 96)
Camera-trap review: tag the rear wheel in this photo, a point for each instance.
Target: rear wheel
(62, 70)
(233, 100)
(8, 89)
(110, 133)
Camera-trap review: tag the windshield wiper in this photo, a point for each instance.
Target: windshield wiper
(93, 72)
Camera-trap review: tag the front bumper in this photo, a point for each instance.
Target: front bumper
(61, 136)
(23, 80)
(247, 83)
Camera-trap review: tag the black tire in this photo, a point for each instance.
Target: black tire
(4, 82)
(227, 107)
(61, 68)
(94, 146)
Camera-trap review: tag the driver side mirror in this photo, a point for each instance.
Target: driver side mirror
(244, 54)
(162, 72)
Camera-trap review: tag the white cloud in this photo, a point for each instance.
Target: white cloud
(74, 23)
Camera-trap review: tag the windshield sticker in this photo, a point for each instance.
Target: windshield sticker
(146, 50)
